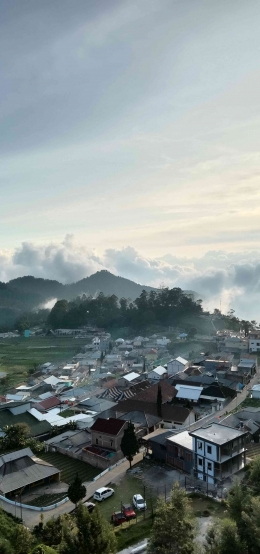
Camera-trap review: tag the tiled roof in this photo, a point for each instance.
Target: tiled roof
(150, 394)
(170, 412)
(110, 426)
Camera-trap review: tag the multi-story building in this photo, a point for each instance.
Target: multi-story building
(219, 451)
(254, 341)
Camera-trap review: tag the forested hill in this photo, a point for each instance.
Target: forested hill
(102, 281)
(162, 307)
(25, 293)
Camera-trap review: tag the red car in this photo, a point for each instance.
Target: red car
(117, 518)
(128, 511)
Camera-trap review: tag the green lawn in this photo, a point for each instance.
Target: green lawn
(46, 499)
(70, 467)
(202, 505)
(17, 356)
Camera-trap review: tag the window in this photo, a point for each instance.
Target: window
(209, 466)
(96, 441)
(199, 461)
(199, 445)
(209, 449)
(188, 456)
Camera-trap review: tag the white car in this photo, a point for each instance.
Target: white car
(103, 493)
(139, 502)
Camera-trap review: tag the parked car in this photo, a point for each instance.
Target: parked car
(90, 506)
(128, 511)
(117, 518)
(103, 493)
(139, 502)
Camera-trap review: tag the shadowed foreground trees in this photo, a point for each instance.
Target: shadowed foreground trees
(174, 525)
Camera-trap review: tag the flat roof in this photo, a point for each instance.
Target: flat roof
(183, 439)
(218, 434)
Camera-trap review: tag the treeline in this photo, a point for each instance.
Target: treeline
(164, 307)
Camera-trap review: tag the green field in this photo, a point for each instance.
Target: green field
(18, 356)
(70, 467)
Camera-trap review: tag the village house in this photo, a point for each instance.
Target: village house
(106, 437)
(177, 365)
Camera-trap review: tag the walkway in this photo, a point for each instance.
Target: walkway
(31, 517)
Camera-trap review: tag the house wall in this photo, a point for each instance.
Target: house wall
(177, 456)
(174, 367)
(254, 345)
(159, 451)
(107, 441)
(98, 461)
(177, 425)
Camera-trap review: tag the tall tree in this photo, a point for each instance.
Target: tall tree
(15, 436)
(223, 538)
(76, 490)
(159, 401)
(174, 525)
(129, 443)
(95, 534)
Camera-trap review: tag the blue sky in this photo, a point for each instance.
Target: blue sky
(130, 124)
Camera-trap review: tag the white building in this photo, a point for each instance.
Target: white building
(219, 451)
(254, 342)
(158, 373)
(163, 341)
(177, 365)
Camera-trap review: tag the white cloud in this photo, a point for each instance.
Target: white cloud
(229, 278)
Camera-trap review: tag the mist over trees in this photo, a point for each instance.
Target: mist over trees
(163, 307)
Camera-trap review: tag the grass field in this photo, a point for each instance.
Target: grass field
(46, 499)
(70, 467)
(18, 356)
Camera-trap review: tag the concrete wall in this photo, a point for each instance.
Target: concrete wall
(98, 461)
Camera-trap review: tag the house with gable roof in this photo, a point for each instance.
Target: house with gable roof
(106, 437)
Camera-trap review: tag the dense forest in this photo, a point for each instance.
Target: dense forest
(163, 307)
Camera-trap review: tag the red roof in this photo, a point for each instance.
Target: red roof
(111, 426)
(48, 403)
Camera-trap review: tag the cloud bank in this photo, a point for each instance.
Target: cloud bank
(221, 278)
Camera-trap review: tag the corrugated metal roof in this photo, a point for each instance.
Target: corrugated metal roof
(189, 393)
(26, 476)
(181, 360)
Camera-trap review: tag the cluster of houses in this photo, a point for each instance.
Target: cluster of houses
(231, 341)
(92, 398)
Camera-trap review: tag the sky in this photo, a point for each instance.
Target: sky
(130, 141)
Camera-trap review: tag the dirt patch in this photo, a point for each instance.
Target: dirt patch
(160, 479)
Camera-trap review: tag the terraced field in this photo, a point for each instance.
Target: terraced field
(70, 467)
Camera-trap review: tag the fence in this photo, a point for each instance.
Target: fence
(109, 469)
(35, 508)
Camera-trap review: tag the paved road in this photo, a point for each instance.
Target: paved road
(31, 518)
